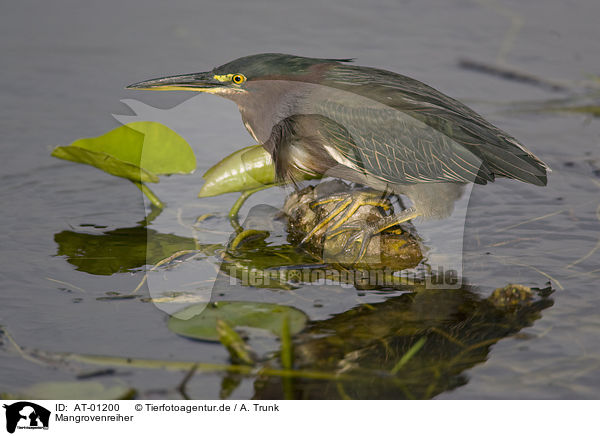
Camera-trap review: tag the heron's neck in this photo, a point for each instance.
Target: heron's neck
(266, 104)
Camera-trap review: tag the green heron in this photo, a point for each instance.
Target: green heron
(365, 125)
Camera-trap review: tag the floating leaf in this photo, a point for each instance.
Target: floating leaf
(78, 390)
(200, 321)
(246, 169)
(137, 151)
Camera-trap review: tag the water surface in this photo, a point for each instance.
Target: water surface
(65, 67)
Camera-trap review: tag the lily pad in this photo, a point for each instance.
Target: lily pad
(200, 321)
(138, 151)
(78, 390)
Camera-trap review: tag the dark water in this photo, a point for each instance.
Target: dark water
(64, 68)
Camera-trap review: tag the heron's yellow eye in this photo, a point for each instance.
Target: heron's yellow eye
(238, 79)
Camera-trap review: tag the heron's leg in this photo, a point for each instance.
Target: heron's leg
(348, 204)
(364, 232)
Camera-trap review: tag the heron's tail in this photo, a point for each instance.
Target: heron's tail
(514, 161)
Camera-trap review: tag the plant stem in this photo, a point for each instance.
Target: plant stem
(233, 212)
(408, 355)
(287, 358)
(149, 194)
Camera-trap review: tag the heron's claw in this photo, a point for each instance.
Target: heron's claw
(362, 233)
(347, 205)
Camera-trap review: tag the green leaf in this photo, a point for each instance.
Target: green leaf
(246, 169)
(105, 162)
(78, 390)
(137, 151)
(194, 322)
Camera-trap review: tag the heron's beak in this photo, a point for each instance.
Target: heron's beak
(199, 82)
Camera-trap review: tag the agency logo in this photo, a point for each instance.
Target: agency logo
(26, 415)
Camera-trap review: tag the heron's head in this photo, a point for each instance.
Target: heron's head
(237, 76)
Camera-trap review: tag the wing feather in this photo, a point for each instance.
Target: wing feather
(466, 133)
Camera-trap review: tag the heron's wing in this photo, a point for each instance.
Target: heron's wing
(390, 145)
(362, 144)
(465, 132)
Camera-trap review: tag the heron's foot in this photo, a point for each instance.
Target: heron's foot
(346, 205)
(363, 233)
